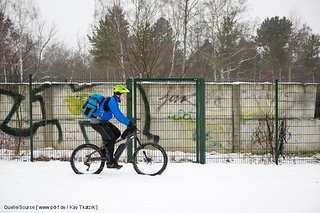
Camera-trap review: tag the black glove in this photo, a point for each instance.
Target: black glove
(132, 126)
(130, 129)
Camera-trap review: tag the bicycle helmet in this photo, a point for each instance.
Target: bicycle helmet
(119, 89)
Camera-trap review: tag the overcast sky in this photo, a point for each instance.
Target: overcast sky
(307, 10)
(72, 18)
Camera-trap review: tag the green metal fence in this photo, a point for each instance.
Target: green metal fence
(262, 122)
(195, 121)
(54, 126)
(171, 112)
(299, 122)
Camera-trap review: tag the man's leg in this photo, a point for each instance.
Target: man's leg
(107, 138)
(116, 133)
(110, 134)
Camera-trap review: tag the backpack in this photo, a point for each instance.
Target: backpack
(91, 105)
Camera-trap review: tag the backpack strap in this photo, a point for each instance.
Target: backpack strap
(105, 104)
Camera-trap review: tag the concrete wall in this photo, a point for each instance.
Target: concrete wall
(234, 111)
(166, 113)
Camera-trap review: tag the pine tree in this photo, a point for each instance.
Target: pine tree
(145, 51)
(273, 36)
(109, 42)
(227, 57)
(311, 55)
(163, 34)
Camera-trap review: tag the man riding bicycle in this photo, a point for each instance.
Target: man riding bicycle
(109, 132)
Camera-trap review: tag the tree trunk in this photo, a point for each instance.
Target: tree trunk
(122, 61)
(215, 74)
(280, 74)
(20, 62)
(185, 30)
(173, 58)
(4, 69)
(221, 75)
(290, 74)
(313, 76)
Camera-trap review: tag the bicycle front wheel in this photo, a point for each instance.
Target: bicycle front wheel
(150, 159)
(87, 159)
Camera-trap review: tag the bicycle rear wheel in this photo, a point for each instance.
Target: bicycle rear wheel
(87, 159)
(150, 159)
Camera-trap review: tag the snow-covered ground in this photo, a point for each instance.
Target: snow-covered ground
(182, 188)
(50, 153)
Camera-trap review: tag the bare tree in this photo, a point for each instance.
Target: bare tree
(32, 37)
(24, 13)
(170, 10)
(189, 11)
(183, 16)
(225, 30)
(42, 40)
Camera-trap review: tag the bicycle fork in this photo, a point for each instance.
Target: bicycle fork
(147, 159)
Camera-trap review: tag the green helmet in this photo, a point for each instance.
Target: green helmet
(120, 89)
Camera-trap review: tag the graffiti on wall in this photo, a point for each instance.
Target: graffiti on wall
(180, 115)
(21, 131)
(174, 98)
(74, 104)
(147, 124)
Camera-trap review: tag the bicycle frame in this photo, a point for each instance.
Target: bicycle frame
(128, 139)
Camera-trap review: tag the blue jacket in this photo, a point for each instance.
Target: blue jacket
(114, 110)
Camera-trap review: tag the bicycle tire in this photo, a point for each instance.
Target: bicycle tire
(80, 164)
(150, 159)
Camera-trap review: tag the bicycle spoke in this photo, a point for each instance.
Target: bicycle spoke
(86, 159)
(150, 159)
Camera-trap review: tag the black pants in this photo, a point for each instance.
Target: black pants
(109, 133)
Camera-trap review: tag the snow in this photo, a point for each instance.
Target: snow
(183, 187)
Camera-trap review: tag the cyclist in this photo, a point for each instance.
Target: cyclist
(101, 123)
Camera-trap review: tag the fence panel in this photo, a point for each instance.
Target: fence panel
(299, 123)
(239, 120)
(166, 112)
(58, 126)
(15, 124)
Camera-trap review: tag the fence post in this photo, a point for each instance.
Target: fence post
(30, 117)
(202, 121)
(276, 120)
(236, 118)
(129, 115)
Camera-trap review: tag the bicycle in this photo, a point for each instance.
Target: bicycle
(147, 159)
